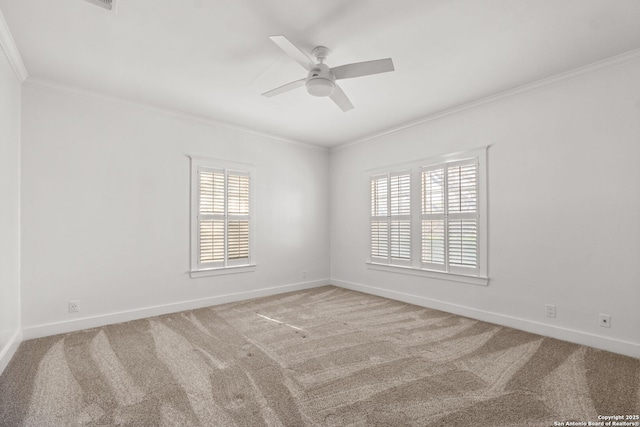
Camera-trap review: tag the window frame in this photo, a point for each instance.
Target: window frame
(389, 220)
(226, 266)
(479, 275)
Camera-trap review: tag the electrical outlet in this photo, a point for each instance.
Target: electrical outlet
(551, 310)
(605, 320)
(74, 306)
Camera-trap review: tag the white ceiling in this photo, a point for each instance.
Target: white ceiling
(213, 58)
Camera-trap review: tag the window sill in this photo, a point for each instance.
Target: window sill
(473, 280)
(222, 270)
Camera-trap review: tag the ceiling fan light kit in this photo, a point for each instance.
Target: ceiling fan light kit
(321, 80)
(320, 87)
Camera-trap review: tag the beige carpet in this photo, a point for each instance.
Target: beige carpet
(325, 357)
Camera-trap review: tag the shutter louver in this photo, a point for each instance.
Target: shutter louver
(238, 194)
(462, 188)
(433, 241)
(380, 239)
(238, 237)
(401, 239)
(211, 241)
(462, 215)
(211, 216)
(238, 217)
(379, 221)
(400, 195)
(379, 194)
(211, 193)
(433, 218)
(463, 243)
(433, 191)
(400, 231)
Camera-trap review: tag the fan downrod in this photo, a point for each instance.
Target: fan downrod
(321, 53)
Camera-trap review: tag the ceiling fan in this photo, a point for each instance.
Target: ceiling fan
(321, 80)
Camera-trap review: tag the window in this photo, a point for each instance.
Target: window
(391, 218)
(221, 226)
(449, 217)
(427, 215)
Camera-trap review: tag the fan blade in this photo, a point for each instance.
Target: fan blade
(338, 96)
(366, 68)
(285, 88)
(291, 50)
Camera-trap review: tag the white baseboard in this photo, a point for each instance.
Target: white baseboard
(7, 352)
(38, 331)
(565, 334)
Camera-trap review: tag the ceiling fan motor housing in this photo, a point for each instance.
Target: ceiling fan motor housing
(320, 81)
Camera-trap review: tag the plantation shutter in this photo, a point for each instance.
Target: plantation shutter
(391, 218)
(462, 214)
(380, 218)
(211, 218)
(400, 216)
(238, 218)
(223, 218)
(450, 217)
(433, 218)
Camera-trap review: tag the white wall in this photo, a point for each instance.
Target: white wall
(105, 211)
(9, 209)
(563, 172)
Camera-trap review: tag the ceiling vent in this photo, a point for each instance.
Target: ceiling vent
(107, 4)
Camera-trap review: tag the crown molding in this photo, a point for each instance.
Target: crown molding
(10, 49)
(40, 83)
(547, 81)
